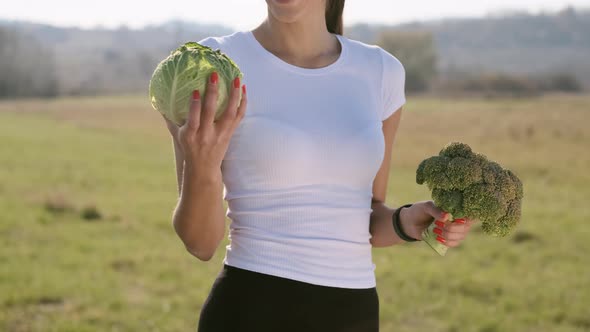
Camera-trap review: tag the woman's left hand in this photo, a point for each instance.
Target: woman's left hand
(416, 218)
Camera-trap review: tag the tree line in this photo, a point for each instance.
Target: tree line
(514, 55)
(27, 69)
(417, 51)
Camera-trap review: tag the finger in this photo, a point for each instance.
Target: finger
(453, 236)
(447, 242)
(436, 212)
(457, 228)
(194, 114)
(231, 110)
(453, 231)
(210, 103)
(452, 243)
(464, 221)
(242, 108)
(443, 232)
(442, 240)
(446, 237)
(469, 222)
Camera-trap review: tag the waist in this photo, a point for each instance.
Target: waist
(316, 260)
(250, 278)
(319, 236)
(301, 216)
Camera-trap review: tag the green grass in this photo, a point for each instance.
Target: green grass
(60, 270)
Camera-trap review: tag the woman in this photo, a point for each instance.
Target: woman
(305, 171)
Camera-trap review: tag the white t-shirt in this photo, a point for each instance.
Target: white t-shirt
(299, 169)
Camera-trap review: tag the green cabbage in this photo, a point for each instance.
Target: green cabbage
(186, 69)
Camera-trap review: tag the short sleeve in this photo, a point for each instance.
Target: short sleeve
(212, 42)
(393, 84)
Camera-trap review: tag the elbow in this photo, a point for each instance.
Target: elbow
(381, 242)
(203, 250)
(202, 245)
(202, 255)
(380, 238)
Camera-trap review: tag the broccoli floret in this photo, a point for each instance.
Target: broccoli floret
(463, 172)
(456, 149)
(490, 171)
(505, 224)
(420, 172)
(467, 184)
(483, 202)
(519, 192)
(451, 199)
(435, 171)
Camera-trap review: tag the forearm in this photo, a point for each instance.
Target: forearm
(199, 218)
(179, 162)
(381, 226)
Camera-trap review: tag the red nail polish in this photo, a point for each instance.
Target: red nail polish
(460, 221)
(441, 239)
(437, 231)
(439, 223)
(244, 88)
(236, 82)
(214, 78)
(196, 94)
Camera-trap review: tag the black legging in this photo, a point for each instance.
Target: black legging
(242, 300)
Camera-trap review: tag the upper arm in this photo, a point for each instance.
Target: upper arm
(392, 99)
(390, 126)
(393, 85)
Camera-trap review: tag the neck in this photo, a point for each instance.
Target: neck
(306, 40)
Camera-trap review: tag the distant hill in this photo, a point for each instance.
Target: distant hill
(90, 61)
(515, 43)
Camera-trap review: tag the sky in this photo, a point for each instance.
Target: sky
(245, 14)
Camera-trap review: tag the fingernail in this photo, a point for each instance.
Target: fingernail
(439, 223)
(237, 82)
(445, 215)
(196, 95)
(441, 239)
(214, 77)
(244, 88)
(460, 221)
(438, 231)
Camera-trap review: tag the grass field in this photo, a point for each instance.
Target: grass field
(87, 187)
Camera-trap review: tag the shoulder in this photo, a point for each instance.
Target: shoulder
(391, 64)
(224, 42)
(375, 55)
(387, 68)
(234, 45)
(379, 63)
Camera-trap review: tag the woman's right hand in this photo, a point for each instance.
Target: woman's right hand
(203, 140)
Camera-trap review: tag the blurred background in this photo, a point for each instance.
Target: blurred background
(87, 182)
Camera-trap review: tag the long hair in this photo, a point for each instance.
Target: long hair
(334, 9)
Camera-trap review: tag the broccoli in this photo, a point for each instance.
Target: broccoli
(467, 184)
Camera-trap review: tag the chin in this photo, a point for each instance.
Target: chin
(288, 11)
(283, 2)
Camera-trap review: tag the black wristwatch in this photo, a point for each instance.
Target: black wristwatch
(398, 227)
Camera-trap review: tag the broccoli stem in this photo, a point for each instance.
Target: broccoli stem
(429, 237)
